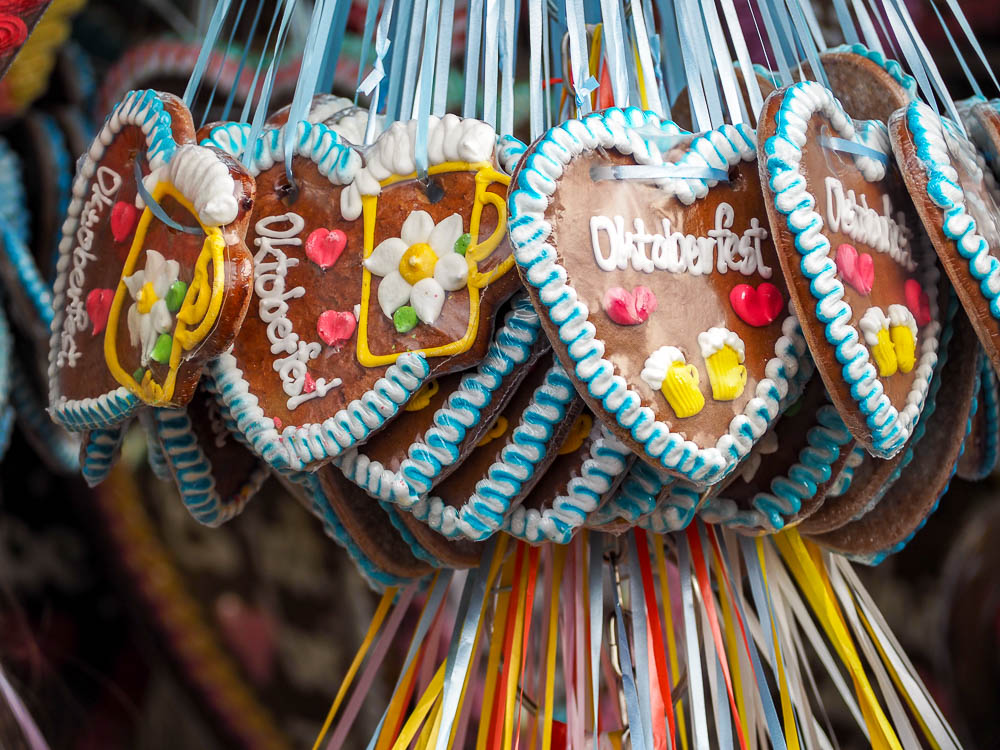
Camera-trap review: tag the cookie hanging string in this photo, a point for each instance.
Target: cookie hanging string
(230, 97)
(224, 59)
(158, 210)
(214, 25)
(371, 86)
(582, 82)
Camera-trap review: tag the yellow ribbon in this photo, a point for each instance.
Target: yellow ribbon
(558, 565)
(668, 624)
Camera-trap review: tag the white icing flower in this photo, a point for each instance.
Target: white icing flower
(420, 266)
(655, 370)
(712, 341)
(900, 315)
(873, 321)
(767, 445)
(149, 315)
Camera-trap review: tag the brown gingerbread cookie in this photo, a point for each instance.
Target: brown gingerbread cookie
(656, 279)
(153, 273)
(930, 462)
(868, 85)
(860, 271)
(368, 281)
(957, 198)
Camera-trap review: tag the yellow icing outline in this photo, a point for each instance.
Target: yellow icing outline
(200, 308)
(486, 175)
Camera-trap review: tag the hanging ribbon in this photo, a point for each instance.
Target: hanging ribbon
(871, 37)
(724, 64)
(583, 83)
(646, 64)
(635, 716)
(658, 172)
(443, 70)
(155, 207)
(668, 624)
(231, 96)
(958, 53)
(548, 707)
(426, 87)
(473, 36)
(595, 601)
(696, 690)
(656, 634)
(225, 58)
(956, 10)
(208, 44)
(743, 56)
(852, 147)
(637, 604)
(845, 21)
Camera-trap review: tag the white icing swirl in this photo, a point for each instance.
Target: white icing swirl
(714, 339)
(203, 178)
(655, 370)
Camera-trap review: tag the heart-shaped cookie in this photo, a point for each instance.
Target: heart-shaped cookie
(183, 286)
(958, 201)
(830, 182)
(699, 384)
(422, 271)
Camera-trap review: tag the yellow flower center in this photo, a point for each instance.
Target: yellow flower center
(417, 263)
(147, 298)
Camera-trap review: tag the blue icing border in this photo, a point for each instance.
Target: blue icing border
(988, 397)
(635, 497)
(484, 512)
(143, 109)
(57, 448)
(783, 154)
(929, 134)
(889, 65)
(530, 232)
(675, 511)
(100, 452)
(375, 576)
(59, 150)
(13, 200)
(598, 478)
(154, 451)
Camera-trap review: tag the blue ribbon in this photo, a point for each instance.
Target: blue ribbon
(583, 83)
(871, 37)
(845, 22)
(426, 86)
(245, 112)
(635, 716)
(228, 107)
(334, 42)
(443, 72)
(211, 35)
(366, 40)
(958, 53)
(639, 603)
(956, 9)
(400, 57)
(657, 172)
(418, 22)
(536, 115)
(491, 62)
(473, 37)
(222, 62)
(372, 85)
(696, 689)
(852, 147)
(596, 601)
(156, 208)
(508, 61)
(700, 114)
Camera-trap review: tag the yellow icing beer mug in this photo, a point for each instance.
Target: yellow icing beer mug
(681, 389)
(723, 351)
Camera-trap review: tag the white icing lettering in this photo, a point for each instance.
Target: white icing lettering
(865, 225)
(272, 307)
(722, 250)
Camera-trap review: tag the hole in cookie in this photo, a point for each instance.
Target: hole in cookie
(287, 192)
(734, 175)
(434, 191)
(246, 204)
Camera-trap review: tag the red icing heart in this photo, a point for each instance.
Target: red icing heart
(917, 301)
(629, 308)
(857, 269)
(310, 383)
(323, 247)
(124, 217)
(757, 307)
(98, 307)
(278, 424)
(336, 327)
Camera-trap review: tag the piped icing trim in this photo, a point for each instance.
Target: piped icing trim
(100, 451)
(675, 511)
(441, 444)
(193, 471)
(890, 428)
(988, 401)
(449, 139)
(63, 167)
(937, 140)
(600, 472)
(509, 151)
(530, 233)
(197, 172)
(375, 577)
(635, 497)
(154, 451)
(294, 447)
(145, 110)
(890, 66)
(770, 510)
(843, 481)
(484, 512)
(13, 201)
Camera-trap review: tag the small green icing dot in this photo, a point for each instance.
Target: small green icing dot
(137, 375)
(462, 243)
(161, 351)
(175, 295)
(405, 319)
(794, 409)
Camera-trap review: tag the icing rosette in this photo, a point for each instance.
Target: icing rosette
(13, 32)
(874, 327)
(157, 293)
(420, 266)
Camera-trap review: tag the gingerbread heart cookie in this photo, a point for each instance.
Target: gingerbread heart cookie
(931, 459)
(958, 201)
(982, 446)
(448, 417)
(509, 460)
(661, 293)
(869, 85)
(784, 481)
(153, 274)
(829, 183)
(586, 472)
(215, 475)
(367, 282)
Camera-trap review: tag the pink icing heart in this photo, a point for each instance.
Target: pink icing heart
(857, 269)
(124, 217)
(278, 424)
(757, 307)
(98, 307)
(629, 308)
(324, 246)
(310, 383)
(917, 301)
(336, 327)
